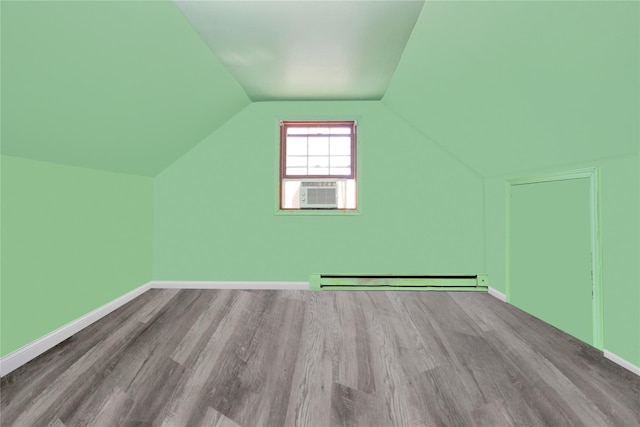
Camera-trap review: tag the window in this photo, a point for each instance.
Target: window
(318, 165)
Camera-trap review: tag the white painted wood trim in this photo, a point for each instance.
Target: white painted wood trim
(496, 293)
(19, 357)
(230, 285)
(620, 361)
(24, 354)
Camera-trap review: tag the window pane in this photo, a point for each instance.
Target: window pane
(318, 130)
(318, 146)
(340, 145)
(296, 171)
(319, 162)
(296, 146)
(297, 131)
(296, 161)
(318, 171)
(340, 161)
(340, 171)
(341, 131)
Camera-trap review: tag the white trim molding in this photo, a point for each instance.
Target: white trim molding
(21, 356)
(496, 293)
(24, 354)
(229, 285)
(620, 361)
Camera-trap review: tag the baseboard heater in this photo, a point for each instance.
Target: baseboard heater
(475, 282)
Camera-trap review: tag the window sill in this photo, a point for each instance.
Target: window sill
(318, 212)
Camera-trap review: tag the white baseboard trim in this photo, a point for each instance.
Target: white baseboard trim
(19, 357)
(496, 293)
(620, 361)
(230, 285)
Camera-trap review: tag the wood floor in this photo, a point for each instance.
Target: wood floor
(298, 358)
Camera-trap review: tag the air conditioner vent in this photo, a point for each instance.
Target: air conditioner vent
(319, 194)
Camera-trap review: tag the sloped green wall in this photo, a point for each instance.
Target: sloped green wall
(124, 86)
(73, 239)
(421, 211)
(529, 88)
(511, 86)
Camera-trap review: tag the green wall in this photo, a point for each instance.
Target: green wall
(73, 239)
(125, 86)
(620, 210)
(526, 85)
(530, 88)
(621, 255)
(421, 211)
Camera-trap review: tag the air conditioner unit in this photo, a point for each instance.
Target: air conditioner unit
(319, 194)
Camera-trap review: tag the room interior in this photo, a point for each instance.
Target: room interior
(140, 148)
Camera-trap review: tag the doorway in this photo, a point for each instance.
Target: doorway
(553, 268)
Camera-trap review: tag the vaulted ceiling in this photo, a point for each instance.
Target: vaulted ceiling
(130, 86)
(306, 50)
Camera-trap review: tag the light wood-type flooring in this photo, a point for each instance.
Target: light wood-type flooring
(300, 358)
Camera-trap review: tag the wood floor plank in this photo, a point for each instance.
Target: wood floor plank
(427, 313)
(598, 378)
(468, 302)
(353, 366)
(162, 297)
(214, 418)
(312, 377)
(494, 413)
(56, 423)
(46, 368)
(445, 396)
(72, 385)
(108, 413)
(140, 362)
(278, 349)
(350, 407)
(392, 381)
(229, 358)
(187, 402)
(195, 339)
(225, 389)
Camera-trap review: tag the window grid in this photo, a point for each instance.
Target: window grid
(298, 151)
(326, 130)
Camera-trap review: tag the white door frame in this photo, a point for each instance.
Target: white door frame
(593, 174)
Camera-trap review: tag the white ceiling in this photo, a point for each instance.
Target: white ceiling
(306, 50)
